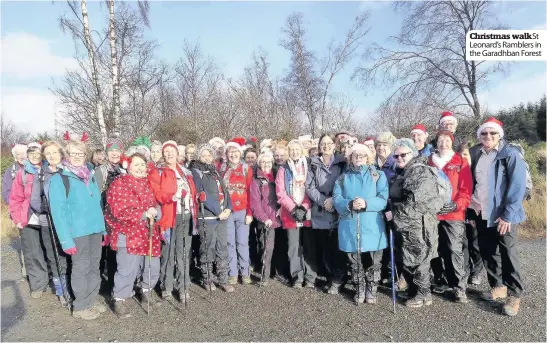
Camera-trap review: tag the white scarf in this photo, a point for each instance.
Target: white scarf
(441, 161)
(299, 179)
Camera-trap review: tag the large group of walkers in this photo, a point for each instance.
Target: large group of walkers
(136, 221)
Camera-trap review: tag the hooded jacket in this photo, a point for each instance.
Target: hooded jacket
(264, 200)
(24, 200)
(217, 198)
(284, 197)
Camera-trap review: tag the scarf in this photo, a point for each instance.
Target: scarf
(441, 161)
(299, 170)
(204, 167)
(269, 176)
(230, 167)
(82, 172)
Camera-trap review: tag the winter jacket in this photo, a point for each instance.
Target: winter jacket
(507, 184)
(371, 185)
(238, 187)
(319, 187)
(127, 200)
(217, 199)
(388, 167)
(24, 200)
(105, 174)
(163, 183)
(427, 150)
(7, 180)
(459, 173)
(264, 200)
(80, 213)
(284, 197)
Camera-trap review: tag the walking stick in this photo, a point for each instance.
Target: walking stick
(393, 270)
(358, 233)
(150, 228)
(185, 255)
(202, 199)
(262, 276)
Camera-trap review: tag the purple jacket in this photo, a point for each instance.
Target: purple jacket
(264, 200)
(7, 180)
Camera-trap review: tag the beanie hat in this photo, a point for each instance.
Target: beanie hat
(204, 147)
(236, 142)
(358, 147)
(385, 137)
(419, 128)
(445, 116)
(492, 123)
(171, 144)
(265, 142)
(445, 133)
(114, 144)
(217, 140)
(368, 140)
(18, 147)
(406, 142)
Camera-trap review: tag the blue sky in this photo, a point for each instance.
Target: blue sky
(36, 51)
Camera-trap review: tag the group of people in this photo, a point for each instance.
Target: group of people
(322, 207)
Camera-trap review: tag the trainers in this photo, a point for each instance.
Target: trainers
(232, 280)
(87, 314)
(334, 289)
(496, 293)
(246, 280)
(120, 309)
(99, 307)
(419, 300)
(36, 294)
(401, 284)
(370, 293)
(460, 296)
(227, 288)
(511, 307)
(475, 280)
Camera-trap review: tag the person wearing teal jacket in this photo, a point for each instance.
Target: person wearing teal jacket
(360, 196)
(75, 203)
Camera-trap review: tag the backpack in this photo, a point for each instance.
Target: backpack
(529, 183)
(444, 187)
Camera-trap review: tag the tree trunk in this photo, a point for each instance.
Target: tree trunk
(94, 74)
(115, 80)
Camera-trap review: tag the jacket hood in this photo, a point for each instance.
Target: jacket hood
(338, 158)
(29, 168)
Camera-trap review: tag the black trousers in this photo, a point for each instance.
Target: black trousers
(500, 257)
(322, 255)
(365, 269)
(472, 253)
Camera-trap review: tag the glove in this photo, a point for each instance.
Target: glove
(450, 207)
(299, 213)
(166, 236)
(106, 240)
(71, 251)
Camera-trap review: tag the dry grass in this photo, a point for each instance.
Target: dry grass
(535, 210)
(8, 228)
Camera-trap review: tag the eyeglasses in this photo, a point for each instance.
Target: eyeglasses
(486, 133)
(403, 155)
(35, 154)
(266, 163)
(360, 156)
(327, 145)
(77, 154)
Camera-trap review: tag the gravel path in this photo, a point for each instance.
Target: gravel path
(279, 313)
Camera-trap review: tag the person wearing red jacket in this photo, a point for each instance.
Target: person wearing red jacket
(238, 177)
(175, 191)
(452, 216)
(130, 210)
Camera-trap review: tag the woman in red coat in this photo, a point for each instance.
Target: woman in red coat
(130, 207)
(452, 217)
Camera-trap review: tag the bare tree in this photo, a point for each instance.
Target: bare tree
(10, 135)
(114, 61)
(429, 56)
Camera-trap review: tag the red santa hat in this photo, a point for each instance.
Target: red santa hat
(236, 142)
(419, 128)
(368, 140)
(445, 116)
(491, 123)
(171, 144)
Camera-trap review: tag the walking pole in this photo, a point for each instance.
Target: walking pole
(185, 255)
(358, 233)
(202, 199)
(262, 276)
(150, 228)
(393, 270)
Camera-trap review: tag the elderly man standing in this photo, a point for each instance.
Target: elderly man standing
(499, 185)
(419, 137)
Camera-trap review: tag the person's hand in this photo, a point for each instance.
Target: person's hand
(359, 204)
(106, 240)
(224, 214)
(503, 226)
(448, 208)
(268, 223)
(71, 251)
(328, 205)
(151, 213)
(389, 216)
(248, 220)
(19, 226)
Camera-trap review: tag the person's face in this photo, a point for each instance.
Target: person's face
(114, 156)
(21, 156)
(137, 167)
(206, 157)
(383, 150)
(266, 164)
(444, 143)
(465, 154)
(181, 157)
(98, 157)
(35, 157)
(294, 152)
(190, 154)
(313, 152)
(219, 148)
(170, 155)
(52, 155)
(233, 155)
(76, 157)
(250, 159)
(419, 139)
(402, 155)
(449, 125)
(155, 153)
(359, 159)
(372, 148)
(489, 138)
(280, 157)
(326, 146)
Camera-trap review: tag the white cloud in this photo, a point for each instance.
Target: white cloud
(31, 110)
(512, 91)
(26, 56)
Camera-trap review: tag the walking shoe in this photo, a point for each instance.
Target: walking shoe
(511, 307)
(263, 283)
(298, 283)
(166, 295)
(246, 280)
(334, 289)
(182, 297)
(310, 284)
(227, 288)
(475, 280)
(232, 280)
(370, 293)
(153, 300)
(120, 308)
(401, 284)
(208, 285)
(87, 314)
(496, 293)
(460, 296)
(99, 307)
(419, 300)
(36, 294)
(359, 296)
(440, 289)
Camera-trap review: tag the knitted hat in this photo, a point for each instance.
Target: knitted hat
(171, 144)
(445, 133)
(368, 140)
(236, 142)
(19, 147)
(358, 147)
(114, 143)
(445, 116)
(204, 147)
(419, 128)
(265, 142)
(406, 142)
(492, 123)
(385, 137)
(217, 140)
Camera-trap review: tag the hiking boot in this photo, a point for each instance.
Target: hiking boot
(496, 293)
(460, 296)
(511, 307)
(419, 300)
(401, 284)
(370, 293)
(359, 296)
(298, 283)
(165, 295)
(227, 288)
(36, 294)
(440, 289)
(475, 280)
(99, 307)
(232, 280)
(310, 284)
(334, 289)
(87, 314)
(145, 296)
(120, 308)
(208, 285)
(246, 280)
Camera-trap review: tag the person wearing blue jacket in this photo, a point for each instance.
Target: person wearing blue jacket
(499, 187)
(75, 203)
(321, 243)
(359, 197)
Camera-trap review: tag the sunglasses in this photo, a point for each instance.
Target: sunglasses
(486, 133)
(403, 155)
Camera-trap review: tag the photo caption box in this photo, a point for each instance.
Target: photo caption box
(506, 45)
